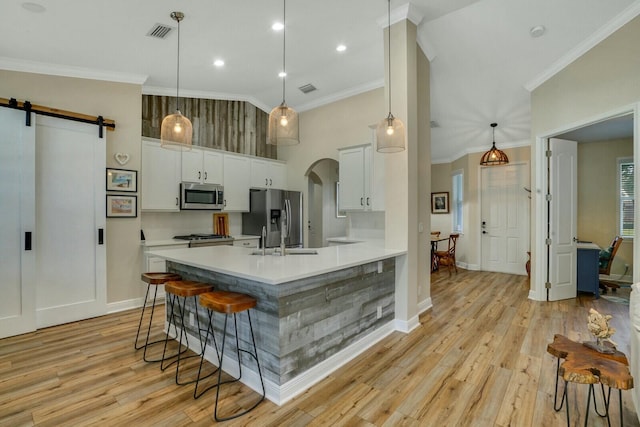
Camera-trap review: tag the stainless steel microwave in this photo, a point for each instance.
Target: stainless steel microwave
(201, 196)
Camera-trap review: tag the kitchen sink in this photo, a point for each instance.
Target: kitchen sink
(289, 251)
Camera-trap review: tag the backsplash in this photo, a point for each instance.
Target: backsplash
(366, 225)
(165, 225)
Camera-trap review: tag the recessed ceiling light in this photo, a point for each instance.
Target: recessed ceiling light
(277, 26)
(33, 7)
(537, 31)
(341, 48)
(218, 62)
(282, 74)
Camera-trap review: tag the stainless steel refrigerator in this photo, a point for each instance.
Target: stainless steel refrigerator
(267, 208)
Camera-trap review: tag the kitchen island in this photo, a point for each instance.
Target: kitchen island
(314, 312)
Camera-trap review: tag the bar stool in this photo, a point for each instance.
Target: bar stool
(229, 303)
(154, 279)
(176, 291)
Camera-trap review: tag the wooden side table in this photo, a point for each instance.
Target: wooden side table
(584, 365)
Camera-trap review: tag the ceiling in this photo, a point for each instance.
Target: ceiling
(482, 55)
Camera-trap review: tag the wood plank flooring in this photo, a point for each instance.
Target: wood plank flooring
(478, 359)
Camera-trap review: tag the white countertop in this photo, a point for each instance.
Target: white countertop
(171, 242)
(345, 239)
(271, 269)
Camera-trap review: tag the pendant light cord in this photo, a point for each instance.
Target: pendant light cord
(178, 68)
(284, 46)
(389, 40)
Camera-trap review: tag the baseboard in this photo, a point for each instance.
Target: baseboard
(470, 267)
(407, 326)
(115, 307)
(424, 305)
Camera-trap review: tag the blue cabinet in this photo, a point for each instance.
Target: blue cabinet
(588, 279)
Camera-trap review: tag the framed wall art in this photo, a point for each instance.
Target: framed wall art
(122, 206)
(122, 180)
(440, 202)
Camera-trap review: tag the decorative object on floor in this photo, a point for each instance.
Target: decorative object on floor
(121, 158)
(598, 325)
(494, 157)
(122, 180)
(176, 131)
(390, 130)
(283, 120)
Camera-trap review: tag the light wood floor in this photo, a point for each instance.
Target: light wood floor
(478, 358)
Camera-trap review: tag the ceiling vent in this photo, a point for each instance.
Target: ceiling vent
(307, 88)
(159, 31)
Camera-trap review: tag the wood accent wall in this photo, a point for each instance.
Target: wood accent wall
(236, 126)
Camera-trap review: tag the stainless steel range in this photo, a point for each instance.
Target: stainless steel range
(199, 240)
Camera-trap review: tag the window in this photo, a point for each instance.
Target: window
(626, 198)
(456, 201)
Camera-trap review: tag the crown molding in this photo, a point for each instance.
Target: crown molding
(605, 31)
(341, 95)
(406, 11)
(22, 65)
(186, 93)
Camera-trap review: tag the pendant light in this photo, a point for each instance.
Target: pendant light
(176, 132)
(283, 120)
(390, 130)
(494, 157)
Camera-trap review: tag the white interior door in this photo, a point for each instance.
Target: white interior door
(505, 218)
(563, 175)
(70, 210)
(17, 218)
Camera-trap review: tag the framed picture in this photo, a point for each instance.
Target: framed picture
(122, 180)
(339, 213)
(440, 202)
(122, 206)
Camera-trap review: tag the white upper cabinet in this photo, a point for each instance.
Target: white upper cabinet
(237, 181)
(160, 178)
(202, 167)
(268, 174)
(361, 179)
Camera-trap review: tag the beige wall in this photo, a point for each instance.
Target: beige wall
(598, 197)
(603, 80)
(122, 103)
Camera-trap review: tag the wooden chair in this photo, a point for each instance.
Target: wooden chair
(435, 234)
(605, 265)
(448, 257)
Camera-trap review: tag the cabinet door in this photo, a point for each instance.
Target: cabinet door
(277, 175)
(351, 172)
(212, 168)
(376, 179)
(259, 173)
(160, 178)
(237, 181)
(192, 166)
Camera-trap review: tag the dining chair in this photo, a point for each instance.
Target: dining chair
(605, 260)
(448, 257)
(435, 234)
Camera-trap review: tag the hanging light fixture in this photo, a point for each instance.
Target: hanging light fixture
(176, 131)
(390, 130)
(283, 120)
(494, 157)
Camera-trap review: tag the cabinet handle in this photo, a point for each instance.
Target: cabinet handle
(368, 204)
(266, 182)
(205, 176)
(361, 201)
(27, 240)
(176, 201)
(270, 181)
(199, 174)
(225, 202)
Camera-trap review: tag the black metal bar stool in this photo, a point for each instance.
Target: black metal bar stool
(152, 279)
(229, 303)
(178, 291)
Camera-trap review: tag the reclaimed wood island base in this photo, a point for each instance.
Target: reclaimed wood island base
(314, 312)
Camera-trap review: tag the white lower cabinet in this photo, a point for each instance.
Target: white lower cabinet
(247, 243)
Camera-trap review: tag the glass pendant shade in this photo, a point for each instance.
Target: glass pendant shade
(390, 135)
(176, 132)
(494, 157)
(283, 126)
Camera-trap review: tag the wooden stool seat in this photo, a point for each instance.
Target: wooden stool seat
(159, 278)
(227, 302)
(187, 288)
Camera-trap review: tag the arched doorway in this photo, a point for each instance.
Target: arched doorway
(323, 221)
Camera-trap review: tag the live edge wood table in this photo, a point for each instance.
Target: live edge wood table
(584, 365)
